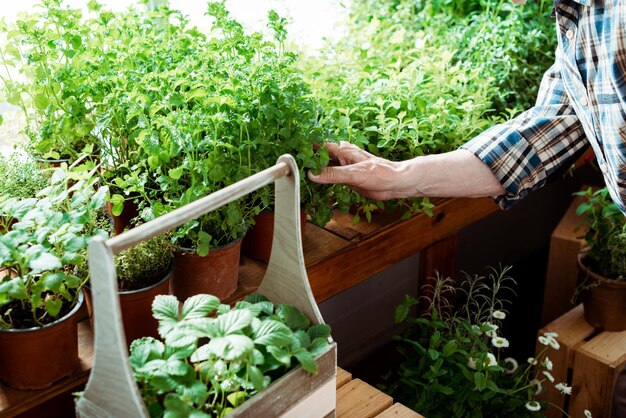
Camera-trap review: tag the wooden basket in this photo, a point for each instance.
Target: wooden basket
(111, 390)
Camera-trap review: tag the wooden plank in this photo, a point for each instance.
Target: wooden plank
(562, 270)
(343, 377)
(357, 399)
(320, 244)
(438, 258)
(393, 244)
(572, 330)
(14, 402)
(398, 411)
(596, 366)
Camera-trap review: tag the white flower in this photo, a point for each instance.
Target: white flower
(538, 385)
(490, 329)
(532, 361)
(587, 413)
(491, 360)
(498, 314)
(563, 388)
(499, 342)
(549, 376)
(419, 43)
(471, 363)
(549, 339)
(513, 365)
(547, 363)
(533, 406)
(366, 45)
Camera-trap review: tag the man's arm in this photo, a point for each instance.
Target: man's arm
(453, 174)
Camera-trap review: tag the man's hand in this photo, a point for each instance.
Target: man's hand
(451, 174)
(367, 174)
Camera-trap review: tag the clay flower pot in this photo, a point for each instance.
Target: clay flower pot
(136, 307)
(35, 358)
(604, 300)
(121, 221)
(257, 243)
(216, 274)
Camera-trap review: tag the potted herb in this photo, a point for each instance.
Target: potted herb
(41, 295)
(49, 48)
(22, 178)
(453, 359)
(602, 263)
(223, 355)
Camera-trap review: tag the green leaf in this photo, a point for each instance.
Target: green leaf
(144, 350)
(41, 101)
(53, 281)
(292, 317)
(319, 331)
(176, 173)
(165, 307)
(117, 202)
(480, 381)
(256, 378)
(237, 398)
(198, 306)
(306, 360)
(433, 354)
(197, 393)
(17, 289)
(176, 367)
(231, 322)
(53, 306)
(270, 332)
(230, 347)
(280, 354)
(44, 261)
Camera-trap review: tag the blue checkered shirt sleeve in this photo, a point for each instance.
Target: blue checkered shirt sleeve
(525, 150)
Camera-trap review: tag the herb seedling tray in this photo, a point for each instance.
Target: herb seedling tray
(111, 390)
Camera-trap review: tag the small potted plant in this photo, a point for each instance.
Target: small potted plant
(224, 355)
(602, 262)
(41, 295)
(454, 360)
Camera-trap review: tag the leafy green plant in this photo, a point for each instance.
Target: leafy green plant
(605, 236)
(47, 49)
(453, 360)
(214, 357)
(144, 264)
(42, 249)
(22, 176)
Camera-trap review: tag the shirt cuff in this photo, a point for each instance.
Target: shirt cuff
(512, 159)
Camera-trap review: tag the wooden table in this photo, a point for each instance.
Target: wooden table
(357, 399)
(338, 257)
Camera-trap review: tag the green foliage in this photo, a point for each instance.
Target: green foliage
(213, 358)
(41, 250)
(606, 233)
(48, 49)
(21, 176)
(144, 264)
(423, 77)
(452, 359)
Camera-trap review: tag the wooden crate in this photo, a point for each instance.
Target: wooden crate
(111, 390)
(562, 270)
(589, 360)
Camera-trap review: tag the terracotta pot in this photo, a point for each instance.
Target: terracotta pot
(216, 273)
(121, 221)
(257, 243)
(35, 358)
(604, 300)
(136, 307)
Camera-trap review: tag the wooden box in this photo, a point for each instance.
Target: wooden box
(111, 390)
(589, 360)
(562, 270)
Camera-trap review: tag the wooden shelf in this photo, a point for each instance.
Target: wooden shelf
(337, 257)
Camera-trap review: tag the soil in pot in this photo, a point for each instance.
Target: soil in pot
(257, 244)
(35, 358)
(216, 273)
(604, 300)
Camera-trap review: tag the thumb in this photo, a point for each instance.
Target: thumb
(332, 174)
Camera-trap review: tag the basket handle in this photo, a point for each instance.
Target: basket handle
(111, 390)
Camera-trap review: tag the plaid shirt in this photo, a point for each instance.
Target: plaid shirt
(581, 101)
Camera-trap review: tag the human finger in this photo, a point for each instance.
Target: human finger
(332, 175)
(347, 153)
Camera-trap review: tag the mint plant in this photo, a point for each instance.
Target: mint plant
(214, 357)
(40, 252)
